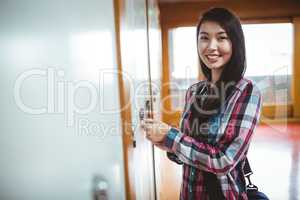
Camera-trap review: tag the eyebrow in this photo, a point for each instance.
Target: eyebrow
(219, 33)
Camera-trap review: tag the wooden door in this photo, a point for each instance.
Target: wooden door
(167, 173)
(132, 32)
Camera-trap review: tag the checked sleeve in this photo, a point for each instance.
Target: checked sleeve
(237, 132)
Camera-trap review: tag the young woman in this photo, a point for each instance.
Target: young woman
(219, 117)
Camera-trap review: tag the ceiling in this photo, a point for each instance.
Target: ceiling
(182, 1)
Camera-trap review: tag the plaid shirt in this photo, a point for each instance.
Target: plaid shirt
(224, 152)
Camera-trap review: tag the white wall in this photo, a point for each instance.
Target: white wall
(48, 149)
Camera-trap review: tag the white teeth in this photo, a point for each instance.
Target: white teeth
(212, 57)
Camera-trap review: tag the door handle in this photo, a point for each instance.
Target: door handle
(145, 112)
(100, 188)
(142, 114)
(148, 109)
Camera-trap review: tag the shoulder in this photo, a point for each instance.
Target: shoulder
(195, 86)
(248, 86)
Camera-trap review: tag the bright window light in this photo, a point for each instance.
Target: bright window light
(269, 53)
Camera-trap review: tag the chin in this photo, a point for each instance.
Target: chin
(214, 66)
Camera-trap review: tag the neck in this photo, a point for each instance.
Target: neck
(215, 75)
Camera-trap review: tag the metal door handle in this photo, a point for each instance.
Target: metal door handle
(142, 114)
(100, 188)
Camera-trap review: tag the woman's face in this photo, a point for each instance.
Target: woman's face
(214, 45)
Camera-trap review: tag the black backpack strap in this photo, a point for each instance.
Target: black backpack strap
(174, 158)
(247, 169)
(247, 173)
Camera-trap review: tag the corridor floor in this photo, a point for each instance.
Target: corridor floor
(275, 160)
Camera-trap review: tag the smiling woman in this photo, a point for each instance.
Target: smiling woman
(219, 115)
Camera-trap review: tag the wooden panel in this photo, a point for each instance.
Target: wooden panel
(166, 101)
(188, 13)
(277, 111)
(296, 69)
(126, 112)
(133, 61)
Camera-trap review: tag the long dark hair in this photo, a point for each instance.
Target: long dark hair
(209, 99)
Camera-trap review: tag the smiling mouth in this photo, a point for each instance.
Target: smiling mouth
(212, 58)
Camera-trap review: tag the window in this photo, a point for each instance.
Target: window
(269, 59)
(184, 67)
(269, 50)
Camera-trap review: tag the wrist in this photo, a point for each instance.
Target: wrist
(168, 129)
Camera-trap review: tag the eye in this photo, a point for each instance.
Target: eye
(203, 37)
(223, 38)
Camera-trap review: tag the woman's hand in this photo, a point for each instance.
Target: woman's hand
(155, 131)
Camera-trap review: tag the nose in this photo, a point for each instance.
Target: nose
(212, 45)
